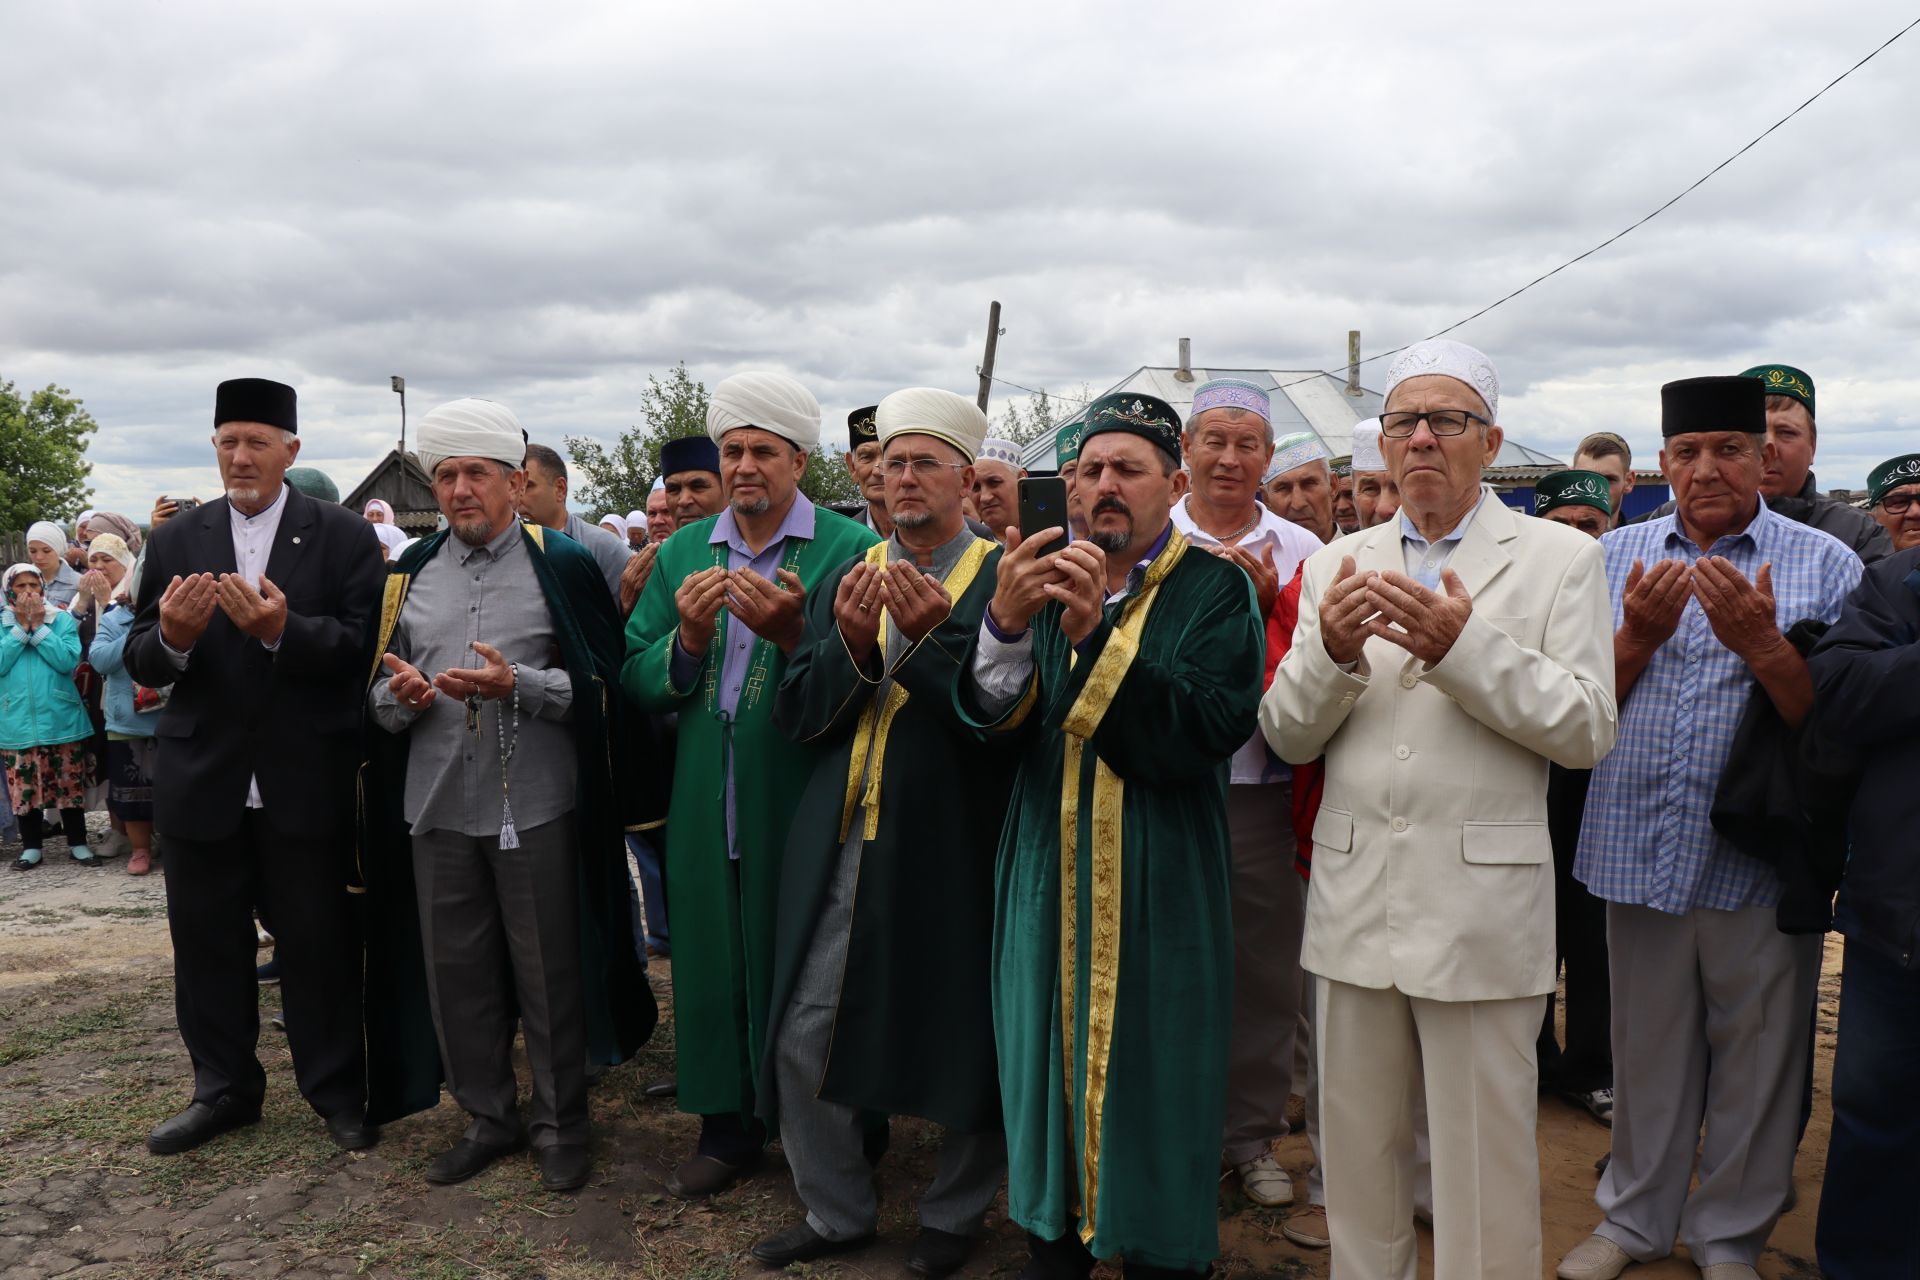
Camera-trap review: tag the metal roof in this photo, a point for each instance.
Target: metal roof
(1303, 399)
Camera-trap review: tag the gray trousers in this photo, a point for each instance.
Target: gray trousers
(501, 928)
(1709, 1028)
(1269, 920)
(823, 1143)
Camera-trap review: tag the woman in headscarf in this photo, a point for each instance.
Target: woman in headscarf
(47, 547)
(378, 511)
(392, 538)
(616, 524)
(118, 525)
(131, 710)
(43, 724)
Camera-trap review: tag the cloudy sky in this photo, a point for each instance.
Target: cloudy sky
(543, 205)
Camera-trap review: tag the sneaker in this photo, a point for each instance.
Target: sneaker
(139, 863)
(1265, 1182)
(1599, 1104)
(1308, 1227)
(1595, 1258)
(116, 845)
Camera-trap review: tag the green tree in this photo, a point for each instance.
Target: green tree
(1040, 416)
(619, 478)
(43, 454)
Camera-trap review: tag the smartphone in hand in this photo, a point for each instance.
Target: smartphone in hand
(1043, 505)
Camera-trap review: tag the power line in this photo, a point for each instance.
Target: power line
(1616, 236)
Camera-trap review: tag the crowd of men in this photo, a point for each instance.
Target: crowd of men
(1270, 791)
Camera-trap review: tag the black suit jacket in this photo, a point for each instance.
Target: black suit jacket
(290, 717)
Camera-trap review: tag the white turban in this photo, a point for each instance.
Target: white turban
(770, 401)
(50, 533)
(994, 449)
(1366, 447)
(391, 536)
(1455, 360)
(928, 411)
(659, 485)
(471, 429)
(618, 521)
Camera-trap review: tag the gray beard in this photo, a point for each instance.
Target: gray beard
(754, 506)
(914, 519)
(1113, 540)
(246, 497)
(476, 533)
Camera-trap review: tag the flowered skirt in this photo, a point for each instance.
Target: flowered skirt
(130, 778)
(48, 777)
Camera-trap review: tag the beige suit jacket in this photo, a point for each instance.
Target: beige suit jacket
(1432, 869)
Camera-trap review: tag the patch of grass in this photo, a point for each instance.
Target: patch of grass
(124, 913)
(45, 915)
(66, 1030)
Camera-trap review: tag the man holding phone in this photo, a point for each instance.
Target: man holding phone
(1124, 671)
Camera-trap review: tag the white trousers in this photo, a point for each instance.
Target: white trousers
(1476, 1061)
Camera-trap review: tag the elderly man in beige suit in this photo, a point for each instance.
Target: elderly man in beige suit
(1442, 661)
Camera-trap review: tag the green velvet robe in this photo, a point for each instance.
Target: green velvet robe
(723, 912)
(914, 1031)
(403, 1057)
(1113, 956)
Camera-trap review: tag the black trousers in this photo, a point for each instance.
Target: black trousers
(300, 884)
(33, 827)
(1580, 930)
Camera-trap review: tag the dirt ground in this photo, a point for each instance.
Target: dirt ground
(90, 1061)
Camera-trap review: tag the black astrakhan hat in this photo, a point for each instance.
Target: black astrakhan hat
(1713, 404)
(258, 400)
(689, 453)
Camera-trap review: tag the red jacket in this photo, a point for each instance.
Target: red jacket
(1307, 778)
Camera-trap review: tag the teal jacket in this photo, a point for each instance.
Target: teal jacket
(107, 654)
(39, 706)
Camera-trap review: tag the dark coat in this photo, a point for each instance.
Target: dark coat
(1866, 676)
(403, 1060)
(290, 717)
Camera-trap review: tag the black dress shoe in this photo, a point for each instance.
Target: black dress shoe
(467, 1157)
(801, 1243)
(351, 1132)
(938, 1253)
(704, 1175)
(565, 1166)
(200, 1122)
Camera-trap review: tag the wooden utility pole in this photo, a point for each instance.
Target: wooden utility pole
(986, 361)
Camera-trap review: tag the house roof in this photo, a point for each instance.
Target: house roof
(1302, 399)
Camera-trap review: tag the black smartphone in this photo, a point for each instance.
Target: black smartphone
(1043, 505)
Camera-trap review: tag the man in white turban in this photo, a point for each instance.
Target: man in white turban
(709, 640)
(498, 643)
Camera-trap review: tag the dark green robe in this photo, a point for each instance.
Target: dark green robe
(914, 1030)
(723, 913)
(1125, 745)
(403, 1058)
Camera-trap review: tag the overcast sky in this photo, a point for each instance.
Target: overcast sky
(543, 209)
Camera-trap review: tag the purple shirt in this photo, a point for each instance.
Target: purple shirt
(740, 639)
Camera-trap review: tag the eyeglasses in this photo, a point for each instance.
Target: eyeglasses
(1896, 504)
(923, 468)
(1442, 422)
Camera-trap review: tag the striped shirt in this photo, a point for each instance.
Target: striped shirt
(1647, 838)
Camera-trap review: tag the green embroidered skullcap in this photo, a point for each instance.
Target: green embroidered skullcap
(1149, 417)
(313, 482)
(1892, 474)
(1784, 380)
(1066, 442)
(1572, 488)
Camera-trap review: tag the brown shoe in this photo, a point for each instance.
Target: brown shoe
(1307, 1227)
(703, 1176)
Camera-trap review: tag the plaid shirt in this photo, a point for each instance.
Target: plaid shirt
(1647, 838)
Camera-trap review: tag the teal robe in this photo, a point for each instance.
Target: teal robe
(1113, 955)
(723, 912)
(403, 1057)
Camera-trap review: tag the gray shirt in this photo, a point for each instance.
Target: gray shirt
(487, 594)
(609, 552)
(825, 965)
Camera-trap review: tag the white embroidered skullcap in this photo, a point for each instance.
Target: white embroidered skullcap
(471, 429)
(770, 401)
(1366, 447)
(1455, 360)
(1295, 450)
(50, 533)
(994, 449)
(929, 411)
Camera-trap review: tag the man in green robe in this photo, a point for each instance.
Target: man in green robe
(881, 1001)
(1125, 670)
(710, 639)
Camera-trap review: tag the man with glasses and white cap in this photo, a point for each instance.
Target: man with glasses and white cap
(1442, 660)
